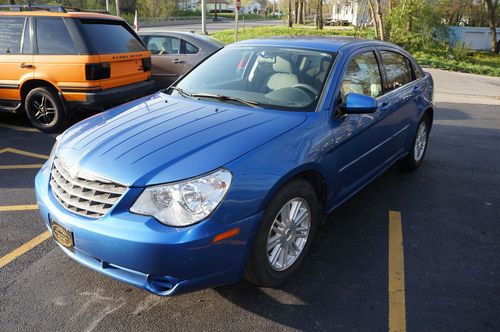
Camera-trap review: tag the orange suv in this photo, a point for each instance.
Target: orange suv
(55, 59)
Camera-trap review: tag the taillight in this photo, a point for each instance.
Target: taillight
(146, 64)
(97, 71)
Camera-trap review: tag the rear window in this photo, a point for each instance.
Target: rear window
(52, 37)
(111, 37)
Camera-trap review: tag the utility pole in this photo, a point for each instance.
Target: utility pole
(215, 10)
(203, 18)
(117, 7)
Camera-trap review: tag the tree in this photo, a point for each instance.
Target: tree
(492, 8)
(377, 14)
(290, 18)
(12, 2)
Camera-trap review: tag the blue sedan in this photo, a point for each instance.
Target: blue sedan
(229, 172)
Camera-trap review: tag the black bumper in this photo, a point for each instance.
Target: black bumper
(106, 98)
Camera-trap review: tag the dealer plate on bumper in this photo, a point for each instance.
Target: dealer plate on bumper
(62, 235)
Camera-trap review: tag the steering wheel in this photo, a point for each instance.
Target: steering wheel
(308, 88)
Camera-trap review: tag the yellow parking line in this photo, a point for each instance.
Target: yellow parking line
(24, 248)
(36, 166)
(396, 288)
(18, 207)
(25, 153)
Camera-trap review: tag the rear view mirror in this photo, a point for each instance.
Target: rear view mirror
(356, 103)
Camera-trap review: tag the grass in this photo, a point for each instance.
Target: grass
(477, 62)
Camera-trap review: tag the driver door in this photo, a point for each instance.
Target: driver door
(359, 138)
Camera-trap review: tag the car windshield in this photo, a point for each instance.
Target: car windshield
(270, 77)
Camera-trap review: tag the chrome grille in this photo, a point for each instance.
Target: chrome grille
(83, 194)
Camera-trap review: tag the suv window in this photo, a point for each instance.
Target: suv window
(163, 45)
(11, 30)
(397, 69)
(109, 36)
(190, 48)
(363, 76)
(52, 37)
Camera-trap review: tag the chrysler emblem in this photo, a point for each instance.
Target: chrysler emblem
(73, 172)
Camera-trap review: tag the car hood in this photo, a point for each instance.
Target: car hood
(162, 138)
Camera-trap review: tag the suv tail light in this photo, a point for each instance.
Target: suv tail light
(97, 71)
(146, 64)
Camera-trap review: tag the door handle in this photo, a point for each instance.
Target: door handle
(177, 61)
(385, 106)
(417, 89)
(27, 66)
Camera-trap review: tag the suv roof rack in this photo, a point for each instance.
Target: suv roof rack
(49, 8)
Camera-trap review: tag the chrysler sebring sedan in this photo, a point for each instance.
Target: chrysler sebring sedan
(229, 172)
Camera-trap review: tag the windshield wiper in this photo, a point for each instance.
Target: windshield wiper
(181, 91)
(247, 102)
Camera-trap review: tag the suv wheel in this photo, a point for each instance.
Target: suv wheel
(44, 109)
(285, 234)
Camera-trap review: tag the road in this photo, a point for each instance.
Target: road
(450, 210)
(212, 26)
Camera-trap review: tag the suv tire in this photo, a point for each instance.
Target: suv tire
(45, 109)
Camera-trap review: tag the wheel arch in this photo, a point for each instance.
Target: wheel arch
(312, 173)
(29, 85)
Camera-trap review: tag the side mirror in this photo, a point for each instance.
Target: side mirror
(356, 103)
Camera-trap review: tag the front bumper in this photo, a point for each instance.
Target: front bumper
(106, 98)
(142, 252)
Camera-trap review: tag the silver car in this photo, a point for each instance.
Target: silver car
(173, 53)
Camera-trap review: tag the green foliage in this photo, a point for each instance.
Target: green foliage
(227, 36)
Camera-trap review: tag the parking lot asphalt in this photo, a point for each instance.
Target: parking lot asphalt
(450, 217)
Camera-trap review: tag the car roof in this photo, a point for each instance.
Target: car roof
(323, 43)
(58, 14)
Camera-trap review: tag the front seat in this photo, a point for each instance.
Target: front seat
(283, 76)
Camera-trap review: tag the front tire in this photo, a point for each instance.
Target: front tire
(285, 234)
(418, 148)
(44, 109)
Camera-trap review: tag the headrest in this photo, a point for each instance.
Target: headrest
(282, 66)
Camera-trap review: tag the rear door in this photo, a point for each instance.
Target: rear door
(400, 99)
(117, 44)
(168, 62)
(16, 58)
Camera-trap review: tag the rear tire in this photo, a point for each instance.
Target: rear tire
(293, 235)
(45, 110)
(418, 148)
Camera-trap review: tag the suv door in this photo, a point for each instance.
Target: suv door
(16, 59)
(364, 144)
(167, 62)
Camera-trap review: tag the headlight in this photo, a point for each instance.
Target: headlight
(184, 203)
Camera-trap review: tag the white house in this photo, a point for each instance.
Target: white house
(355, 12)
(252, 8)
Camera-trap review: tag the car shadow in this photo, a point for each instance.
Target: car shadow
(343, 283)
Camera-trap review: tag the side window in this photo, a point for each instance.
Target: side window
(363, 76)
(163, 45)
(11, 30)
(418, 72)
(190, 48)
(397, 69)
(52, 37)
